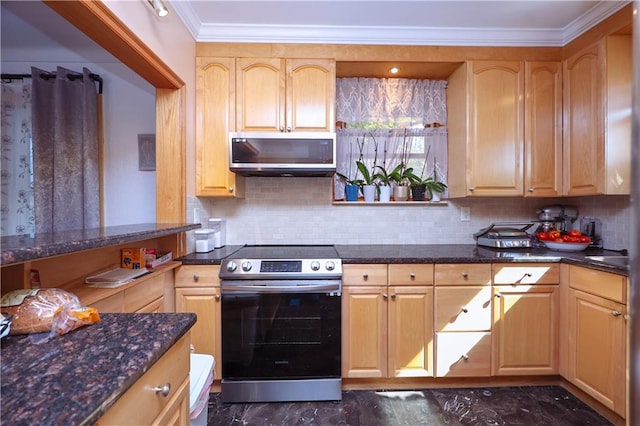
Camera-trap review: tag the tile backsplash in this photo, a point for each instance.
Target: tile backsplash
(300, 210)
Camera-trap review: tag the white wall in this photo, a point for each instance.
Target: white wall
(299, 210)
(129, 105)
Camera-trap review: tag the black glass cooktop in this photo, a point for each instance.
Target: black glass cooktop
(286, 252)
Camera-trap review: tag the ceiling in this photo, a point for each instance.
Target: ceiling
(446, 23)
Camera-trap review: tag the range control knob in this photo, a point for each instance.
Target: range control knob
(315, 265)
(330, 265)
(246, 266)
(232, 266)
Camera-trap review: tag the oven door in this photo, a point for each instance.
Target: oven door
(281, 330)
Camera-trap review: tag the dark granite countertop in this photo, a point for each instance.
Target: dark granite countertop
(436, 253)
(16, 249)
(74, 378)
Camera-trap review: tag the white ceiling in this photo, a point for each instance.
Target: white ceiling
(413, 22)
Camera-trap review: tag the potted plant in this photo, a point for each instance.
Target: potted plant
(384, 184)
(352, 186)
(435, 186)
(402, 176)
(368, 183)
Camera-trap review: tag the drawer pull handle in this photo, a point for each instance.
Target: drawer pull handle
(164, 390)
(412, 275)
(498, 295)
(465, 310)
(465, 357)
(385, 296)
(528, 274)
(616, 313)
(196, 277)
(365, 276)
(217, 297)
(465, 275)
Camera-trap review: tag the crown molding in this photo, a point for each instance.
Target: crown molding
(381, 35)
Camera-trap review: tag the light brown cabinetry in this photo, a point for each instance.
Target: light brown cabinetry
(485, 101)
(387, 322)
(145, 402)
(285, 95)
(198, 291)
(463, 320)
(215, 118)
(597, 120)
(525, 319)
(597, 361)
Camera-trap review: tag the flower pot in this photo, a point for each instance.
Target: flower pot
(435, 196)
(418, 191)
(369, 192)
(401, 193)
(385, 194)
(351, 192)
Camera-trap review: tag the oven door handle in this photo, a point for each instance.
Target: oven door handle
(263, 288)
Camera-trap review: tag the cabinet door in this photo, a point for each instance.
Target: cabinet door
(206, 334)
(176, 413)
(260, 95)
(364, 331)
(496, 133)
(215, 118)
(597, 348)
(310, 95)
(583, 156)
(543, 129)
(525, 330)
(410, 331)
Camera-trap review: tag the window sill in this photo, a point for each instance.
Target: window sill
(390, 203)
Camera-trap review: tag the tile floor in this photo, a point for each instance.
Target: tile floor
(537, 405)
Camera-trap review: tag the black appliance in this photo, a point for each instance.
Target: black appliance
(281, 324)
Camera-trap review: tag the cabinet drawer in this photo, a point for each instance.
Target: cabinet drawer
(141, 404)
(463, 274)
(144, 293)
(197, 276)
(410, 274)
(364, 275)
(466, 354)
(603, 284)
(112, 304)
(539, 273)
(463, 308)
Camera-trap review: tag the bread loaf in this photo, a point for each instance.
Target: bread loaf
(33, 310)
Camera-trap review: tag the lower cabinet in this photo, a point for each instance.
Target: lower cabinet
(198, 291)
(146, 403)
(387, 330)
(597, 360)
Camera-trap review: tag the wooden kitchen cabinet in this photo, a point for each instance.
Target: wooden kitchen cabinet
(597, 118)
(387, 330)
(285, 95)
(141, 404)
(485, 101)
(597, 335)
(463, 320)
(198, 291)
(543, 129)
(525, 318)
(215, 118)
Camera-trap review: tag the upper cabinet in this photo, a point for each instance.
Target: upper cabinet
(485, 102)
(215, 112)
(597, 118)
(285, 95)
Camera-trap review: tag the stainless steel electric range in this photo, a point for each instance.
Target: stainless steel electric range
(281, 321)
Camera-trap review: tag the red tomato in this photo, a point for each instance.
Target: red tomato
(574, 239)
(575, 233)
(566, 238)
(585, 239)
(559, 240)
(543, 236)
(553, 234)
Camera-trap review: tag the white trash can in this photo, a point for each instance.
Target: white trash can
(200, 379)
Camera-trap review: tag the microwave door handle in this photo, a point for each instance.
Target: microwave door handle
(311, 288)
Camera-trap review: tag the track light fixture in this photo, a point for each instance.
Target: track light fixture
(158, 7)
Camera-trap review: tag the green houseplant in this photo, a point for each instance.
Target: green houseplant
(402, 176)
(368, 182)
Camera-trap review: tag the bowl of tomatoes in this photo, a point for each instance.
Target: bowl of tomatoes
(564, 241)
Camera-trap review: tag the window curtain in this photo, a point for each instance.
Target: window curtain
(386, 117)
(65, 151)
(17, 215)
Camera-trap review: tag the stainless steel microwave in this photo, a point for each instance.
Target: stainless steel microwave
(282, 154)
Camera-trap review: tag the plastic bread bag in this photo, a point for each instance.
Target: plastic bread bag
(51, 310)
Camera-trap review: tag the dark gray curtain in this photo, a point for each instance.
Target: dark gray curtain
(65, 151)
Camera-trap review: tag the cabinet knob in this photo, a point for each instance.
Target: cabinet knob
(217, 297)
(385, 296)
(282, 128)
(289, 129)
(365, 276)
(616, 313)
(231, 189)
(530, 189)
(164, 390)
(412, 275)
(393, 296)
(196, 277)
(465, 310)
(471, 189)
(465, 357)
(465, 275)
(528, 275)
(498, 295)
